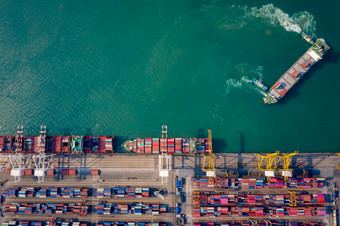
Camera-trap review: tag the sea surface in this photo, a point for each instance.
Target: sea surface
(127, 67)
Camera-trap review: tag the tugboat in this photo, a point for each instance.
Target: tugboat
(307, 38)
(259, 84)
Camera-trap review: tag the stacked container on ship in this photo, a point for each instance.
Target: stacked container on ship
(167, 145)
(297, 70)
(57, 144)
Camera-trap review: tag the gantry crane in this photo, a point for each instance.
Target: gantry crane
(52, 221)
(164, 161)
(287, 159)
(271, 163)
(18, 161)
(338, 167)
(83, 208)
(292, 198)
(42, 162)
(211, 157)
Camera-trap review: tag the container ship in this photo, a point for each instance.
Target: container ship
(55, 144)
(167, 145)
(297, 70)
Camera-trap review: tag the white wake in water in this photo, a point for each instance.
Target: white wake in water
(302, 21)
(245, 80)
(275, 16)
(234, 83)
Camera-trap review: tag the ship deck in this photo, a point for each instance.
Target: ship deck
(296, 71)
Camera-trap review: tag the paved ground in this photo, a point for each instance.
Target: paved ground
(142, 171)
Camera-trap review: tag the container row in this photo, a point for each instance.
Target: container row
(44, 192)
(229, 211)
(258, 183)
(167, 145)
(45, 208)
(248, 223)
(201, 199)
(124, 192)
(134, 208)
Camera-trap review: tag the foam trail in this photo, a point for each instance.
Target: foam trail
(274, 16)
(234, 83)
(259, 72)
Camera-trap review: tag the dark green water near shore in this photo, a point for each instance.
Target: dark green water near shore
(127, 67)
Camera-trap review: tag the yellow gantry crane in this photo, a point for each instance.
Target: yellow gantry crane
(210, 158)
(270, 163)
(287, 159)
(292, 198)
(338, 166)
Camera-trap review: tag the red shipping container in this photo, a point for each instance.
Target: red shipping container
(7, 170)
(95, 172)
(72, 172)
(50, 172)
(29, 172)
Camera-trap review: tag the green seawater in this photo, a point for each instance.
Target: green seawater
(127, 67)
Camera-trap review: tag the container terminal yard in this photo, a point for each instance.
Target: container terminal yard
(82, 180)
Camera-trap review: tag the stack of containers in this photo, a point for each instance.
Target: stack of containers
(186, 145)
(95, 172)
(321, 211)
(72, 172)
(200, 145)
(22, 193)
(54, 192)
(42, 193)
(244, 183)
(197, 212)
(123, 208)
(133, 145)
(292, 182)
(178, 145)
(109, 143)
(84, 193)
(138, 193)
(137, 209)
(252, 183)
(206, 145)
(155, 210)
(100, 193)
(260, 182)
(148, 145)
(321, 199)
(13, 192)
(76, 193)
(140, 146)
(5, 193)
(100, 209)
(163, 145)
(162, 209)
(321, 182)
(131, 192)
(171, 146)
(107, 192)
(67, 192)
(50, 172)
(145, 192)
(121, 193)
(155, 145)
